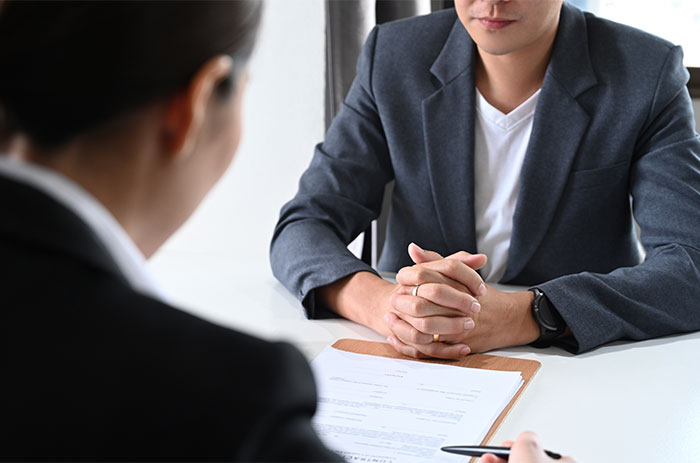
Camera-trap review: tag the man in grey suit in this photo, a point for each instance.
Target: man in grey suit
(523, 137)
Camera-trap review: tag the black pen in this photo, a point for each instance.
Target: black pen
(479, 450)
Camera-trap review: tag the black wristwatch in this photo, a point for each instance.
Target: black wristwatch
(551, 324)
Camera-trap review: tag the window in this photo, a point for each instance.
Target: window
(675, 20)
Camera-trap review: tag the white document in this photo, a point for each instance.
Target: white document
(381, 410)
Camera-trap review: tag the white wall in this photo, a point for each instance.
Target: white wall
(283, 120)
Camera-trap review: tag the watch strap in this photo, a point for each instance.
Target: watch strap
(550, 322)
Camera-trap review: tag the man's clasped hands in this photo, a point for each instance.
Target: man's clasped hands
(441, 307)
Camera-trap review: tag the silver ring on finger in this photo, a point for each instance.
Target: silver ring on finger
(415, 290)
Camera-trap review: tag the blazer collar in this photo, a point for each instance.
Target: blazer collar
(571, 64)
(457, 55)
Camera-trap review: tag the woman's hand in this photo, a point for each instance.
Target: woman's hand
(525, 449)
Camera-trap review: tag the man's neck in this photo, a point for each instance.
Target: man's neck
(506, 81)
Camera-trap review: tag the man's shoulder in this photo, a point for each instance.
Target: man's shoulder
(624, 61)
(612, 40)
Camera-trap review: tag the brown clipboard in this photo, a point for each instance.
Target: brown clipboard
(527, 368)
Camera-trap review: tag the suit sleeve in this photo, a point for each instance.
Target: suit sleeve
(338, 197)
(659, 296)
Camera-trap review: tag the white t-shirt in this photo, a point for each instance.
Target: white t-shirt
(500, 144)
(128, 257)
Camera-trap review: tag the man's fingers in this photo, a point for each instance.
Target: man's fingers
(413, 343)
(410, 277)
(443, 271)
(405, 349)
(441, 350)
(475, 261)
(434, 350)
(419, 307)
(420, 255)
(436, 325)
(448, 296)
(434, 299)
(406, 332)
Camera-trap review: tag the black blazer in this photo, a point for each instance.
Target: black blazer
(93, 370)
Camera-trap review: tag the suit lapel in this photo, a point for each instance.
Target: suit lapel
(448, 121)
(559, 125)
(555, 137)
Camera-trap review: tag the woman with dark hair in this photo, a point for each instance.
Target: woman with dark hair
(117, 119)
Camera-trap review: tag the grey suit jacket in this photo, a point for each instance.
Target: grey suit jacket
(613, 134)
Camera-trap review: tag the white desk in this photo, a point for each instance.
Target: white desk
(621, 403)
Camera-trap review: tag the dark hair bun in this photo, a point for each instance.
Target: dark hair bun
(68, 67)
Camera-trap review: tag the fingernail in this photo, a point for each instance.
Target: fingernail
(476, 307)
(387, 318)
(464, 350)
(482, 289)
(469, 324)
(390, 340)
(417, 247)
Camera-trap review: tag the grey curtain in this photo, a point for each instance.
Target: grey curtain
(348, 22)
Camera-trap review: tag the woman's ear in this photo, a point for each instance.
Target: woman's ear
(186, 110)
